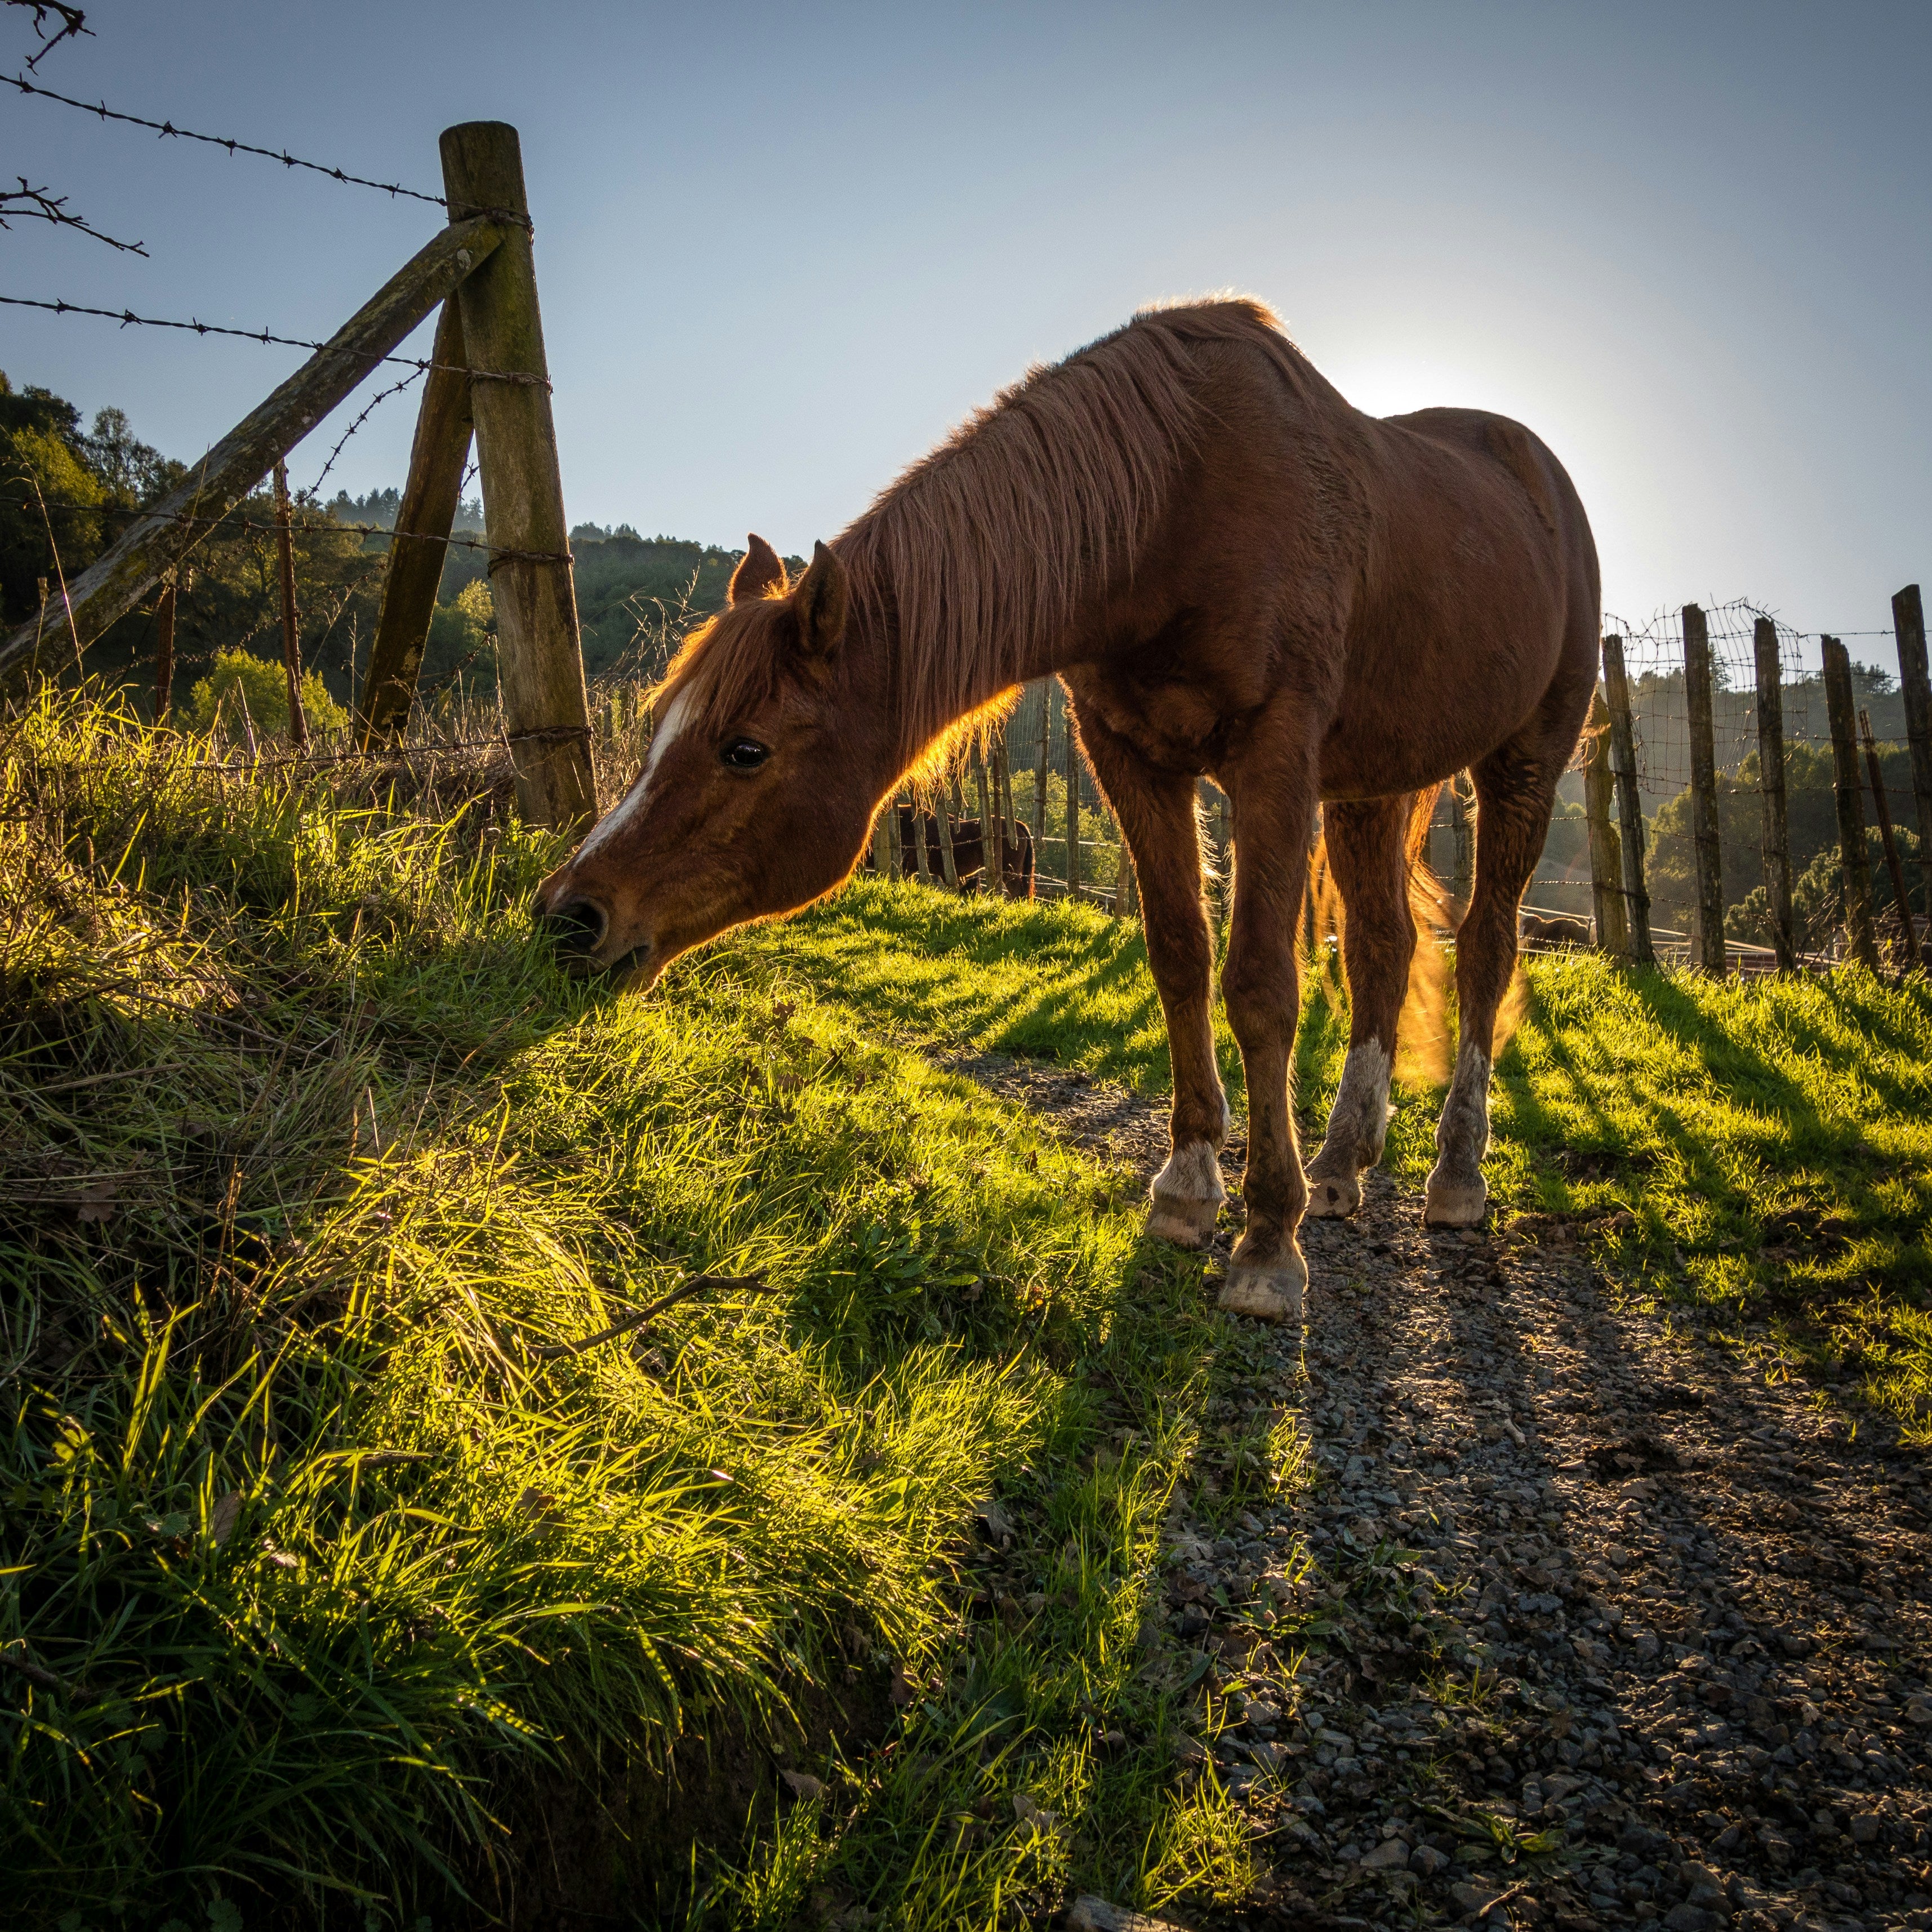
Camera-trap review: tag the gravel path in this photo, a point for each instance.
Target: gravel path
(1610, 1624)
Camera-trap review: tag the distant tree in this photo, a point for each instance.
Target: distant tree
(241, 679)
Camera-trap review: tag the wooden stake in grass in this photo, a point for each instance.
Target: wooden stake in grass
(1606, 888)
(1771, 789)
(291, 633)
(1883, 806)
(1846, 787)
(1040, 767)
(1908, 625)
(988, 843)
(922, 859)
(949, 864)
(540, 658)
(1704, 845)
(1072, 812)
(164, 648)
(1629, 806)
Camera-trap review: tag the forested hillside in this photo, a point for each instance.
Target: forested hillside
(66, 490)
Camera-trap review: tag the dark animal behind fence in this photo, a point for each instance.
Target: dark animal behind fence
(969, 856)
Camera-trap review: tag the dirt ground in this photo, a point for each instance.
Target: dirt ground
(1682, 1595)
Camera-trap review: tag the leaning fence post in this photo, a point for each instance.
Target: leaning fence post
(540, 657)
(1847, 786)
(291, 631)
(1629, 806)
(1704, 842)
(1771, 790)
(1908, 625)
(419, 542)
(1606, 885)
(1882, 806)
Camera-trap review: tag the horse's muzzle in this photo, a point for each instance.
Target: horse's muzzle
(576, 928)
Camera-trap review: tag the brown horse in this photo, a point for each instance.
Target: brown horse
(969, 857)
(1232, 572)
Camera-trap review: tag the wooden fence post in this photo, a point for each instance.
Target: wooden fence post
(1606, 883)
(922, 859)
(1072, 807)
(989, 878)
(1847, 786)
(1908, 625)
(1705, 843)
(419, 543)
(291, 630)
(1040, 767)
(161, 535)
(540, 657)
(1630, 805)
(1882, 806)
(1463, 846)
(882, 840)
(164, 648)
(997, 774)
(1127, 891)
(1771, 789)
(948, 862)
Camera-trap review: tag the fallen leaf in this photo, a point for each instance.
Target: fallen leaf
(803, 1784)
(222, 1517)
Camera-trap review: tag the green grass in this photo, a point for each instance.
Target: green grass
(1772, 1139)
(334, 1593)
(330, 1588)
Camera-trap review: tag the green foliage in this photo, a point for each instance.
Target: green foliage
(462, 644)
(240, 679)
(1812, 829)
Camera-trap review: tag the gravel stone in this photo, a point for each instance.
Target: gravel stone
(1569, 1573)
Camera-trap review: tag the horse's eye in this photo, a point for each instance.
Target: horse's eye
(744, 754)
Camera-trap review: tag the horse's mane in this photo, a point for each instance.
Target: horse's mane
(980, 552)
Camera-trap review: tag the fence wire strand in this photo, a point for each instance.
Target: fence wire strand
(168, 130)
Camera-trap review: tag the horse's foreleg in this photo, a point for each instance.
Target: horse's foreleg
(1155, 812)
(1514, 791)
(1274, 815)
(1368, 855)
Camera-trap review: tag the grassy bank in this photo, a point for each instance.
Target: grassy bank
(335, 1588)
(329, 1580)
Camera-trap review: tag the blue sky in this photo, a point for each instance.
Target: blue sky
(781, 250)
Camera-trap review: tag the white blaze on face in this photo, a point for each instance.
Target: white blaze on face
(633, 800)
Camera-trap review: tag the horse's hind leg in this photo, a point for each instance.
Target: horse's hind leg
(1156, 811)
(1368, 854)
(1516, 785)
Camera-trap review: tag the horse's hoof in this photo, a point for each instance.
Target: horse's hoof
(1333, 1196)
(1187, 1224)
(1454, 1204)
(1271, 1294)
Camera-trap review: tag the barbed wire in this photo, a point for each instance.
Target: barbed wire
(167, 129)
(368, 410)
(498, 554)
(38, 205)
(127, 318)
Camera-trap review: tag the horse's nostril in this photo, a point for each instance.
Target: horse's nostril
(576, 925)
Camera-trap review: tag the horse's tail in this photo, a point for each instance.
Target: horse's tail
(1422, 1036)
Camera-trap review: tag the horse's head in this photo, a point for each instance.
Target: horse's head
(772, 748)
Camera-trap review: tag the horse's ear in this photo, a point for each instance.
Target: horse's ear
(760, 572)
(820, 601)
